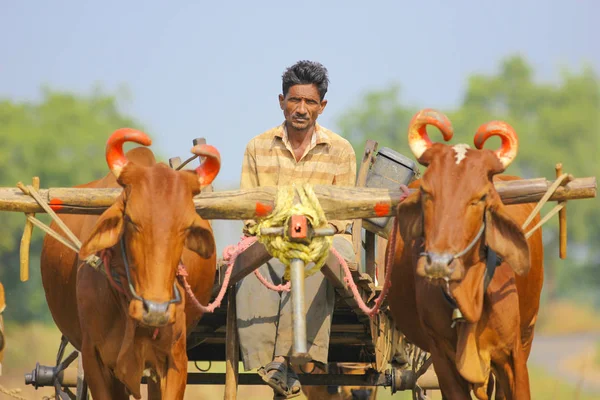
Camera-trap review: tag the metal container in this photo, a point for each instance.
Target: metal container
(390, 170)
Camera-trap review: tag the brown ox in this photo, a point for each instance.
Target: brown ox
(140, 323)
(335, 392)
(449, 230)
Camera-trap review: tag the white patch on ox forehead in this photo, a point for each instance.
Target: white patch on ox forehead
(461, 152)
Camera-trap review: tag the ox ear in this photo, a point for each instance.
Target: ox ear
(507, 239)
(410, 217)
(106, 232)
(200, 238)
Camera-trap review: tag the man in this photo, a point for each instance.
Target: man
(299, 151)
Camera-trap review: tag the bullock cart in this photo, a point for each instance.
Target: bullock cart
(362, 329)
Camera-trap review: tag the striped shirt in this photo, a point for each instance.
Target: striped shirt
(328, 160)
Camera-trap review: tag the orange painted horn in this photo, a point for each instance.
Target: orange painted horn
(510, 142)
(418, 140)
(115, 158)
(209, 169)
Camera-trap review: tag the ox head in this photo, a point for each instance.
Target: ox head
(151, 222)
(457, 210)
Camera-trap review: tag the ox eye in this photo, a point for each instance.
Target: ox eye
(479, 200)
(425, 194)
(129, 221)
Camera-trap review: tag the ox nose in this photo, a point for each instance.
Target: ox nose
(155, 314)
(361, 394)
(438, 265)
(152, 313)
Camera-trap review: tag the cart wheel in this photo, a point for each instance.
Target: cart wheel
(64, 393)
(418, 359)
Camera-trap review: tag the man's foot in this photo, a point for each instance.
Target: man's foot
(293, 382)
(284, 382)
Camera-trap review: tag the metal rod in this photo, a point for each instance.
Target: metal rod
(300, 352)
(279, 230)
(369, 379)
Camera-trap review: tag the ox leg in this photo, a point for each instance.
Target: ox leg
(100, 381)
(513, 377)
(452, 385)
(173, 384)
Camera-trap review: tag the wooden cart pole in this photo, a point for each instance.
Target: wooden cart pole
(26, 239)
(232, 349)
(562, 221)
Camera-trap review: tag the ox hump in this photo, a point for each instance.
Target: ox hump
(460, 151)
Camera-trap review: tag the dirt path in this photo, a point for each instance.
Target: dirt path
(569, 358)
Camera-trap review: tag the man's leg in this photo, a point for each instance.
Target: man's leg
(257, 317)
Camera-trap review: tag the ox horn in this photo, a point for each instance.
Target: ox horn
(209, 169)
(115, 158)
(418, 140)
(510, 142)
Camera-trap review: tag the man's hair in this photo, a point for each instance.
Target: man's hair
(305, 73)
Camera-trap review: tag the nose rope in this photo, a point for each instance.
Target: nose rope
(470, 246)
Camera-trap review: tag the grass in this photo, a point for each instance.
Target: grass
(566, 317)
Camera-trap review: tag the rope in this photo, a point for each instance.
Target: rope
(14, 393)
(30, 190)
(558, 182)
(52, 233)
(245, 242)
(72, 242)
(555, 210)
(269, 285)
(371, 312)
(210, 308)
(279, 246)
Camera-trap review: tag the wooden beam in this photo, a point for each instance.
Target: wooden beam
(232, 350)
(334, 272)
(337, 202)
(249, 260)
(361, 181)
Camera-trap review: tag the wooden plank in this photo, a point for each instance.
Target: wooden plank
(361, 180)
(381, 247)
(370, 254)
(334, 272)
(249, 260)
(232, 350)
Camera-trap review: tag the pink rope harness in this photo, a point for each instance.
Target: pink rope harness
(371, 312)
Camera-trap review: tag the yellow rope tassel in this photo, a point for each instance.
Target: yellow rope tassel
(280, 246)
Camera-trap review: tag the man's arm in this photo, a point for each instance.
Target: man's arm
(345, 176)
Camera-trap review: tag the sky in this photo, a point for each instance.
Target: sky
(213, 69)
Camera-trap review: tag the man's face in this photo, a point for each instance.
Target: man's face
(302, 106)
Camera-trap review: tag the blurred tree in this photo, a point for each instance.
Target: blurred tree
(555, 122)
(61, 139)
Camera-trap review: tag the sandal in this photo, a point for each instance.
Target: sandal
(275, 374)
(293, 382)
